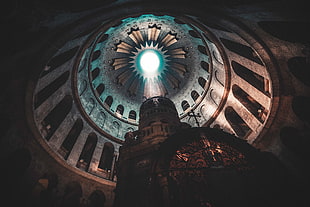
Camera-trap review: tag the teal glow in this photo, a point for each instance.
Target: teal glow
(150, 63)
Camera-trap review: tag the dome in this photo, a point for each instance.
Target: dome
(75, 74)
(158, 109)
(203, 69)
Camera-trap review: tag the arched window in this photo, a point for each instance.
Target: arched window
(202, 49)
(193, 33)
(300, 106)
(95, 73)
(108, 101)
(107, 155)
(100, 89)
(71, 138)
(52, 121)
(194, 95)
(185, 105)
(60, 59)
(250, 103)
(87, 152)
(72, 194)
(259, 82)
(96, 199)
(242, 50)
(294, 140)
(132, 115)
(46, 92)
(50, 182)
(120, 109)
(96, 55)
(236, 122)
(103, 38)
(205, 66)
(202, 82)
(299, 66)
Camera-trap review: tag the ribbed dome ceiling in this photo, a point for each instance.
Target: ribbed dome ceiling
(116, 72)
(205, 67)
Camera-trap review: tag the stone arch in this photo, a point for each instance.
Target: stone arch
(96, 199)
(72, 194)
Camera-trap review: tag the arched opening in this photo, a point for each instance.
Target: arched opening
(236, 122)
(193, 33)
(47, 91)
(95, 73)
(106, 158)
(60, 59)
(120, 110)
(300, 106)
(299, 66)
(194, 95)
(202, 82)
(96, 55)
(250, 103)
(44, 191)
(132, 115)
(72, 194)
(259, 82)
(242, 50)
(108, 101)
(100, 89)
(87, 152)
(202, 49)
(295, 141)
(103, 38)
(71, 138)
(205, 66)
(96, 199)
(52, 121)
(185, 105)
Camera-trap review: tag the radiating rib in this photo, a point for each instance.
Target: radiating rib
(178, 67)
(173, 81)
(153, 34)
(124, 76)
(169, 39)
(177, 53)
(120, 63)
(132, 89)
(124, 47)
(136, 36)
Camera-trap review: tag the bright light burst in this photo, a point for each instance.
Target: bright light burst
(149, 61)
